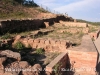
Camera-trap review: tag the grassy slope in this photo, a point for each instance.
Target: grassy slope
(93, 23)
(11, 9)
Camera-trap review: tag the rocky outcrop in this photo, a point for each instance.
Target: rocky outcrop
(11, 54)
(34, 70)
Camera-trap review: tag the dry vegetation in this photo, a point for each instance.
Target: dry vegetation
(10, 9)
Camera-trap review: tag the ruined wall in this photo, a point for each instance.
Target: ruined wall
(83, 62)
(20, 25)
(74, 30)
(60, 62)
(84, 57)
(49, 45)
(28, 24)
(74, 24)
(94, 35)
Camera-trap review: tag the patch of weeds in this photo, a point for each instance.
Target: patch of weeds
(40, 51)
(42, 10)
(19, 46)
(68, 33)
(6, 36)
(56, 68)
(80, 34)
(92, 29)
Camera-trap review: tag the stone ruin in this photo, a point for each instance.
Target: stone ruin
(12, 26)
(74, 58)
(84, 56)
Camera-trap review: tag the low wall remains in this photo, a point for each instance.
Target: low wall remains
(12, 26)
(60, 63)
(94, 35)
(82, 60)
(74, 24)
(49, 45)
(75, 30)
(84, 57)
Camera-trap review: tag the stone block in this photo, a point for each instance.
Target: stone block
(53, 42)
(42, 41)
(47, 42)
(46, 24)
(36, 40)
(31, 41)
(58, 43)
(63, 43)
(18, 37)
(48, 48)
(25, 42)
(35, 45)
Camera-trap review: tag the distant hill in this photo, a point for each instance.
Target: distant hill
(19, 9)
(93, 23)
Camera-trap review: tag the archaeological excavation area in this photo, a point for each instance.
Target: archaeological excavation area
(49, 46)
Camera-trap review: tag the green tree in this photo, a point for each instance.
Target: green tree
(20, 1)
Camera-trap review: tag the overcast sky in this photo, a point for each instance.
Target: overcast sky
(80, 9)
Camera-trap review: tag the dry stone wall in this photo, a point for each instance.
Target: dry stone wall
(74, 30)
(94, 35)
(74, 24)
(28, 24)
(49, 45)
(60, 63)
(82, 59)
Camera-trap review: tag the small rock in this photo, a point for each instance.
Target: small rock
(11, 54)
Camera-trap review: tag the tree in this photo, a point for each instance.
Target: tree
(20, 1)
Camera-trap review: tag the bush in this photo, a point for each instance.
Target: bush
(6, 36)
(81, 34)
(39, 51)
(19, 45)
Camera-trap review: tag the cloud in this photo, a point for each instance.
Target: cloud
(78, 6)
(83, 9)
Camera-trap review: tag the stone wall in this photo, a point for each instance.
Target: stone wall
(60, 62)
(84, 57)
(83, 62)
(75, 30)
(28, 24)
(49, 45)
(94, 35)
(74, 24)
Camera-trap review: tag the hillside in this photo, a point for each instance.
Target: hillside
(14, 9)
(93, 23)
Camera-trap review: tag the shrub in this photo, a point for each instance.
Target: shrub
(39, 51)
(68, 33)
(81, 34)
(28, 46)
(6, 36)
(19, 45)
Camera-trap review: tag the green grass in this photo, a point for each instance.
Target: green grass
(19, 46)
(6, 36)
(92, 29)
(39, 51)
(68, 33)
